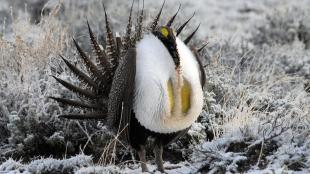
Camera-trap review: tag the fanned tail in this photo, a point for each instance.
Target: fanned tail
(97, 81)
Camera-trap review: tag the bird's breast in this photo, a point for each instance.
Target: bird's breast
(166, 100)
(179, 96)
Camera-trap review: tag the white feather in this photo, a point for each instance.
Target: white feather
(154, 67)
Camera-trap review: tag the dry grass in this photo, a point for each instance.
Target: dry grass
(31, 48)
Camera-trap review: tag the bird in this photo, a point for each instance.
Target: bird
(147, 83)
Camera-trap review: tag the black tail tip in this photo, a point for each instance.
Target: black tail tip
(62, 117)
(51, 97)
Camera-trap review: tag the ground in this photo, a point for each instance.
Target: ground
(257, 101)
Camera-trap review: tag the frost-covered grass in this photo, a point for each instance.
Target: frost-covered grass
(256, 115)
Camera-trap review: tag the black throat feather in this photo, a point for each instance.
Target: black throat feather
(171, 46)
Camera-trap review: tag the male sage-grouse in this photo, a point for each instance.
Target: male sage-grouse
(148, 83)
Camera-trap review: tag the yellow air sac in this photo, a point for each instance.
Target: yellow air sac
(185, 96)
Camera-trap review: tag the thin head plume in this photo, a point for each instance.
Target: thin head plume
(186, 41)
(179, 30)
(169, 23)
(155, 21)
(128, 28)
(202, 47)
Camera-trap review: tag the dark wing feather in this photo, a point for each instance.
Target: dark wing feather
(202, 72)
(201, 68)
(121, 94)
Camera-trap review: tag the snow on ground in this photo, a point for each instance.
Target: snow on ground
(257, 102)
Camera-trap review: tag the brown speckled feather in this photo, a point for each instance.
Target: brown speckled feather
(121, 94)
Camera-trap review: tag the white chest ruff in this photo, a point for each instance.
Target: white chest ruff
(154, 67)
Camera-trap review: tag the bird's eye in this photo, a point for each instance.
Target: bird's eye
(164, 31)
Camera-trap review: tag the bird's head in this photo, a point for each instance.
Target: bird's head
(168, 37)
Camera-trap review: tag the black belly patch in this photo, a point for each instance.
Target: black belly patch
(138, 134)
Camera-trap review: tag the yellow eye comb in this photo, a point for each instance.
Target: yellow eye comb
(164, 31)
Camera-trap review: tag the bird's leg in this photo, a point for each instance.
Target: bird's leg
(142, 158)
(158, 150)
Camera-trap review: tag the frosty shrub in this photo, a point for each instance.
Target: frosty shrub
(47, 165)
(29, 126)
(256, 107)
(283, 27)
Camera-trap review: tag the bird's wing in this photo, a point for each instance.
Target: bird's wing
(202, 72)
(122, 94)
(201, 68)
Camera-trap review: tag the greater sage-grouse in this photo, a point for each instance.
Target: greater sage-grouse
(148, 83)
